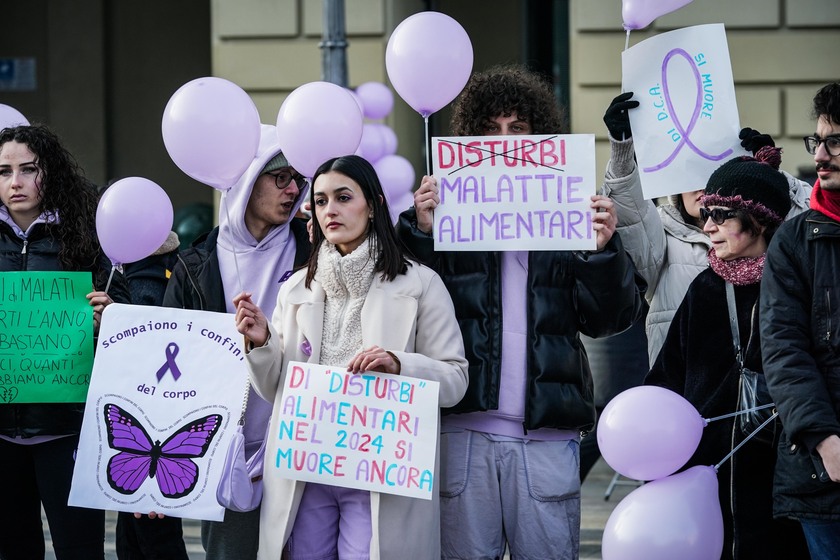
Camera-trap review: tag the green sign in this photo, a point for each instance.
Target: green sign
(46, 336)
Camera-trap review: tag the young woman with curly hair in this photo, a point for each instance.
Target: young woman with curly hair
(47, 223)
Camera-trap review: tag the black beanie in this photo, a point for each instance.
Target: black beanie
(750, 184)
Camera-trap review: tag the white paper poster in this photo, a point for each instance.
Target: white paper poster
(686, 124)
(514, 193)
(165, 395)
(372, 431)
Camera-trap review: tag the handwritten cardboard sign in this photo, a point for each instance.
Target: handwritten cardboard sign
(46, 336)
(514, 193)
(686, 124)
(165, 395)
(371, 431)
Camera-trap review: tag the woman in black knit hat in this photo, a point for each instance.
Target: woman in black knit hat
(744, 203)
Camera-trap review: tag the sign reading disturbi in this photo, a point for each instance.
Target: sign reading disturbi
(514, 193)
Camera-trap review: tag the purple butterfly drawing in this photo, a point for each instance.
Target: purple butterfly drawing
(170, 462)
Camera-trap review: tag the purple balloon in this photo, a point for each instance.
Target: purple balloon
(211, 129)
(377, 99)
(318, 121)
(372, 145)
(398, 206)
(429, 58)
(638, 14)
(389, 138)
(9, 117)
(396, 175)
(648, 432)
(133, 219)
(675, 517)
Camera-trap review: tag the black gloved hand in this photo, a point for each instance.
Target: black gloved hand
(616, 117)
(752, 140)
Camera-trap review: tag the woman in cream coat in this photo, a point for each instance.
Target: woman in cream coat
(359, 303)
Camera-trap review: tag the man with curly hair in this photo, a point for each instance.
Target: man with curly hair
(510, 448)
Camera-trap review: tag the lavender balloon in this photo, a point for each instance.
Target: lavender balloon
(429, 58)
(372, 145)
(9, 117)
(211, 130)
(638, 14)
(396, 175)
(377, 99)
(316, 122)
(648, 432)
(133, 219)
(675, 517)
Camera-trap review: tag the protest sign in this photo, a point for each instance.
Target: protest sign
(160, 375)
(686, 124)
(514, 193)
(371, 431)
(46, 336)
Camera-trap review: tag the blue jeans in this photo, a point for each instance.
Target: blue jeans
(823, 538)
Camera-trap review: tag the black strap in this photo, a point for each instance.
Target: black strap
(733, 324)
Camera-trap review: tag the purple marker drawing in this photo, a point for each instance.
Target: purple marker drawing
(684, 132)
(169, 364)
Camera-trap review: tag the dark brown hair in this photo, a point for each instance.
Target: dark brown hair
(390, 260)
(504, 90)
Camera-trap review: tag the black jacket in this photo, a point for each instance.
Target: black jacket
(698, 361)
(196, 281)
(800, 326)
(598, 294)
(41, 254)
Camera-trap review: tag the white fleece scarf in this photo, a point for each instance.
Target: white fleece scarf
(346, 281)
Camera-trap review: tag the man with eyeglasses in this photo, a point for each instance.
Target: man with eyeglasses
(255, 248)
(800, 341)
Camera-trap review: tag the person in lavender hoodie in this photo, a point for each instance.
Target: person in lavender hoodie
(510, 448)
(259, 237)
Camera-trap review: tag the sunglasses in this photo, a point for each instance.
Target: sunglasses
(718, 215)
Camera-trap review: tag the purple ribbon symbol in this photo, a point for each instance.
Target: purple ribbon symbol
(684, 132)
(170, 365)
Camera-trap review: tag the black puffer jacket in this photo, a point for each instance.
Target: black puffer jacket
(800, 332)
(196, 281)
(40, 253)
(698, 361)
(598, 294)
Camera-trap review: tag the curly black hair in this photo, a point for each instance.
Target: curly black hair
(504, 90)
(827, 102)
(65, 192)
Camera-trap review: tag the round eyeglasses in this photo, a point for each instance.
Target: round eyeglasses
(832, 144)
(284, 178)
(718, 215)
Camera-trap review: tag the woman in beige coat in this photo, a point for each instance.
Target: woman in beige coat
(360, 304)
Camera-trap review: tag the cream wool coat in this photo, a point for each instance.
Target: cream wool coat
(412, 317)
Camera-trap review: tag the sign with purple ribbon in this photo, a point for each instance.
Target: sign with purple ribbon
(687, 123)
(165, 395)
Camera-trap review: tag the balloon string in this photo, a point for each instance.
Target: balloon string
(746, 439)
(233, 245)
(627, 40)
(738, 413)
(428, 146)
(111, 277)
